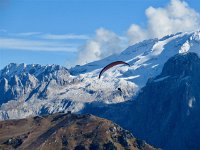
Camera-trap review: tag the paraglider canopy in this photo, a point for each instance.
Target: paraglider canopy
(111, 65)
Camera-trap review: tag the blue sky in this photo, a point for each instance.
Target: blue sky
(73, 16)
(64, 31)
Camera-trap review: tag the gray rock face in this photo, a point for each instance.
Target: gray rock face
(169, 105)
(166, 111)
(23, 81)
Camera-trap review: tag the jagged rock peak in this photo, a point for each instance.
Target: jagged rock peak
(182, 64)
(34, 69)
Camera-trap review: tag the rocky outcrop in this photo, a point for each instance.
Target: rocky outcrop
(22, 82)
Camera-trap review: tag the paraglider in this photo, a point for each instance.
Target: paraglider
(111, 65)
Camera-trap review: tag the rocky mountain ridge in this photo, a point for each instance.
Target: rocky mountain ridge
(67, 131)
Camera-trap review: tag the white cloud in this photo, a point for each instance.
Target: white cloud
(103, 44)
(28, 33)
(136, 34)
(51, 36)
(64, 37)
(35, 45)
(38, 41)
(175, 17)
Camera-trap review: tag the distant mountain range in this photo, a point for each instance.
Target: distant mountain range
(28, 90)
(158, 100)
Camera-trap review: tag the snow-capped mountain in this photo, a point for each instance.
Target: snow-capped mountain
(19, 81)
(34, 89)
(166, 111)
(28, 90)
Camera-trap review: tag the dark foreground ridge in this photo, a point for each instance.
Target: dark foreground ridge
(67, 132)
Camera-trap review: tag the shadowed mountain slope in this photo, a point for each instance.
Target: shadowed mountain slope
(166, 111)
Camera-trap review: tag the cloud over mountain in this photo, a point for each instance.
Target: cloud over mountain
(177, 16)
(103, 44)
